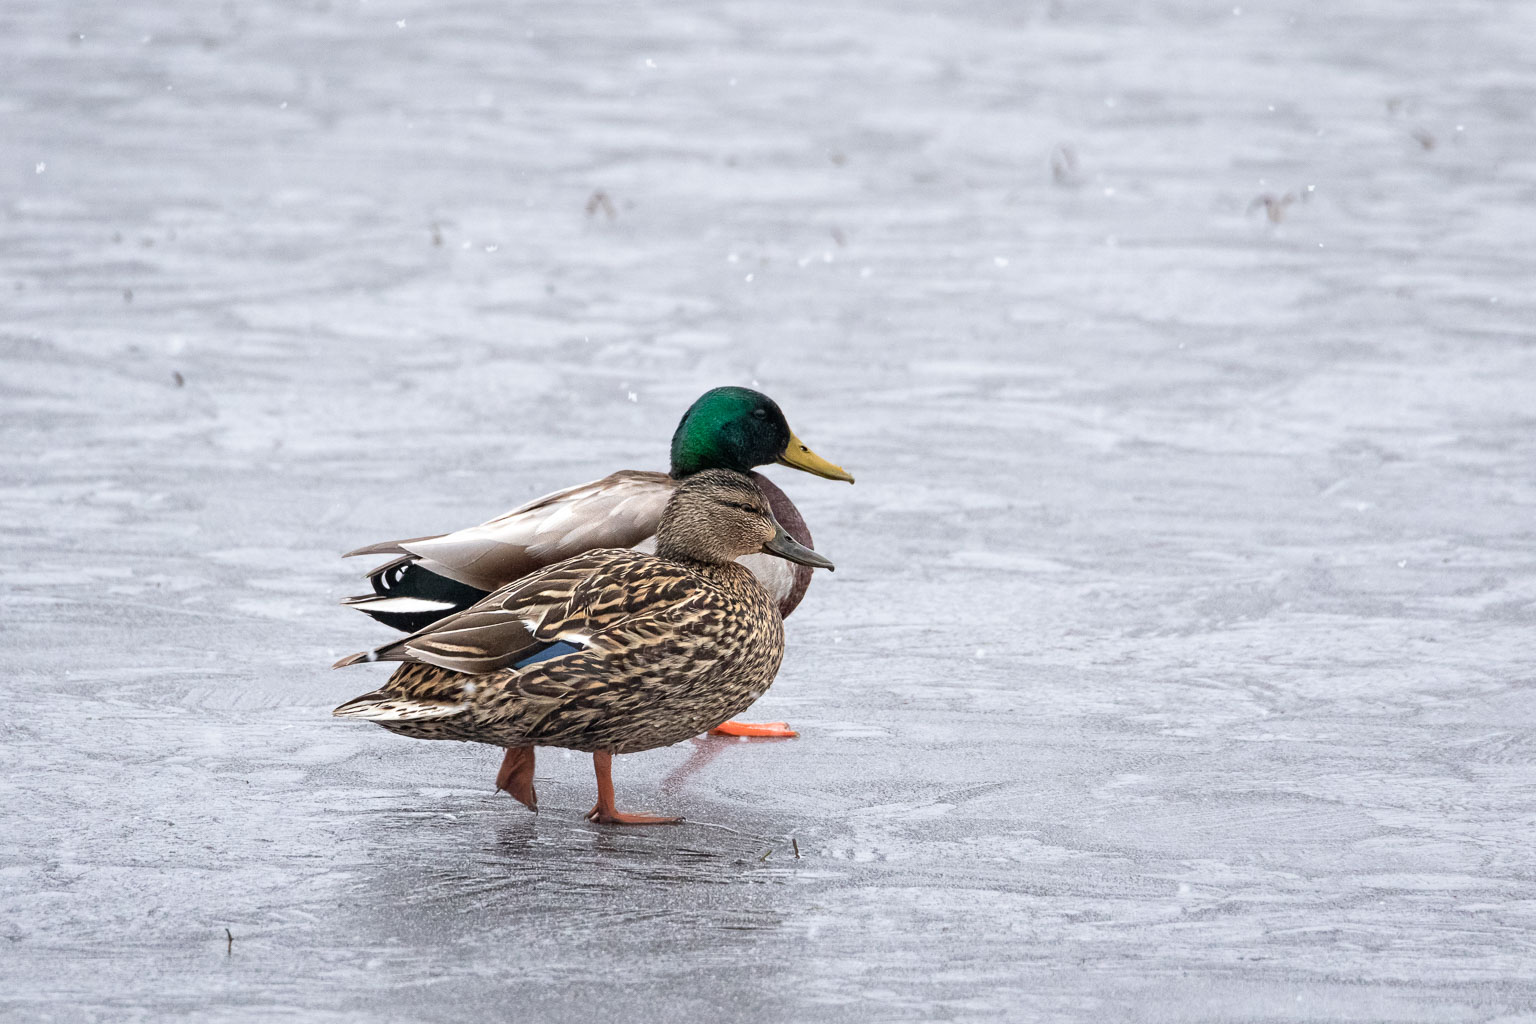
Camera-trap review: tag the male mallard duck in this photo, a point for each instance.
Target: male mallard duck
(726, 428)
(613, 651)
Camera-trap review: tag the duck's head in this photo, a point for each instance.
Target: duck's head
(719, 515)
(737, 429)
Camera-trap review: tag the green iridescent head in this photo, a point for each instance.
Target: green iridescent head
(738, 429)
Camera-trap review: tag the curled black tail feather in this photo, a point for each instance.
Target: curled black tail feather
(410, 598)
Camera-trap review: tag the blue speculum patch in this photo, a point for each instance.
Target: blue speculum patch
(554, 650)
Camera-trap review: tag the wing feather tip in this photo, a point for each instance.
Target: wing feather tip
(383, 707)
(388, 547)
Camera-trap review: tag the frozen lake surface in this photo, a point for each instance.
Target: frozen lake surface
(1179, 661)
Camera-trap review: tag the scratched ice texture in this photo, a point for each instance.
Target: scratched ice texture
(1179, 661)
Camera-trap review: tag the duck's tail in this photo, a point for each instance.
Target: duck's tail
(382, 706)
(408, 597)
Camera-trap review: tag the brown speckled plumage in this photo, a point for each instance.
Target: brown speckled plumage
(670, 645)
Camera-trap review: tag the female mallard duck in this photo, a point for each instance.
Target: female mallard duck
(613, 651)
(726, 428)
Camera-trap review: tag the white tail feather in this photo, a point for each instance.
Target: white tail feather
(402, 605)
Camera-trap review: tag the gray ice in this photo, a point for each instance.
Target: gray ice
(1178, 665)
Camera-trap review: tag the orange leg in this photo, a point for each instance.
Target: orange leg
(603, 812)
(516, 777)
(776, 730)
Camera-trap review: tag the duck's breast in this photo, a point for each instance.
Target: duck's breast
(785, 581)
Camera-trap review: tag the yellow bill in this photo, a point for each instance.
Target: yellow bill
(799, 455)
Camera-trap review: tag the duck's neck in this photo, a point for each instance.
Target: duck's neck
(683, 546)
(704, 454)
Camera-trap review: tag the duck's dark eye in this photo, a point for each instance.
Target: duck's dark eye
(738, 505)
(760, 413)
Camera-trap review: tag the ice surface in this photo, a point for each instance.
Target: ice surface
(1178, 664)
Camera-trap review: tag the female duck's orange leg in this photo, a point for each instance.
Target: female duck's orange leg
(777, 730)
(604, 812)
(516, 777)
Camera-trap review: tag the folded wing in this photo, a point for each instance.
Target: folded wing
(431, 577)
(566, 604)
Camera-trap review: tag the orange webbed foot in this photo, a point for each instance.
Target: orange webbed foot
(516, 777)
(615, 817)
(769, 730)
